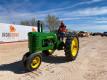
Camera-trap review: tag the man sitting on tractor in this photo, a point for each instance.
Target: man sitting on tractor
(62, 30)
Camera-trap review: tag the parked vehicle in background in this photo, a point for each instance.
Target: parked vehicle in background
(104, 34)
(97, 34)
(83, 34)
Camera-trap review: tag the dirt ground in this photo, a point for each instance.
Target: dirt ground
(91, 63)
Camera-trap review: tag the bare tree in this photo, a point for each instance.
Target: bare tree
(52, 22)
(31, 22)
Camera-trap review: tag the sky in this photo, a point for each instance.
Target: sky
(87, 15)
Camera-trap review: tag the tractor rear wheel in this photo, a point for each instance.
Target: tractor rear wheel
(71, 48)
(33, 61)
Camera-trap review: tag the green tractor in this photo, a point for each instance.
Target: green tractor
(46, 43)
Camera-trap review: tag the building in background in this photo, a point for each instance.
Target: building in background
(11, 32)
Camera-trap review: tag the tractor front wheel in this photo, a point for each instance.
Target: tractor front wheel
(33, 61)
(25, 57)
(71, 48)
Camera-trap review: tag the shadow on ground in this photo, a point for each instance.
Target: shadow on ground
(18, 68)
(54, 59)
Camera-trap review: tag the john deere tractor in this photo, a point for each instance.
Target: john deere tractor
(46, 43)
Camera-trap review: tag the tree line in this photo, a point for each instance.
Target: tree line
(51, 21)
